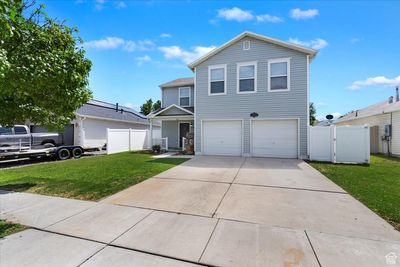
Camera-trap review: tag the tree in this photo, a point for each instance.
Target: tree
(157, 105)
(149, 106)
(43, 69)
(313, 112)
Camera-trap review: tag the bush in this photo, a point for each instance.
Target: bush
(156, 149)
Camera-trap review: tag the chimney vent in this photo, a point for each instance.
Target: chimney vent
(397, 94)
(390, 99)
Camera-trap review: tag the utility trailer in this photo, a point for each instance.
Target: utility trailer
(60, 153)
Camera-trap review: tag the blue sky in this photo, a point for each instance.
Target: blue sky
(136, 46)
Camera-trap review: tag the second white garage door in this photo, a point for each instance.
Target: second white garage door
(222, 138)
(274, 138)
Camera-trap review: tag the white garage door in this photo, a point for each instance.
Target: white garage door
(222, 138)
(274, 138)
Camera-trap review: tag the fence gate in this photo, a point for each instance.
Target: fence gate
(340, 144)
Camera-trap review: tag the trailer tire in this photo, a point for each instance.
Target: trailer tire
(63, 154)
(77, 152)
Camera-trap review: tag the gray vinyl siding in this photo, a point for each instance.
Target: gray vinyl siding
(291, 104)
(171, 96)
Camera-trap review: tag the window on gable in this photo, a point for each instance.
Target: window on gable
(279, 79)
(217, 80)
(246, 45)
(247, 77)
(184, 96)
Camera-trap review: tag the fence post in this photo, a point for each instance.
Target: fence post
(129, 141)
(334, 144)
(367, 140)
(108, 141)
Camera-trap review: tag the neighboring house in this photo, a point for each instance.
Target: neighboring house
(89, 129)
(249, 97)
(324, 123)
(380, 116)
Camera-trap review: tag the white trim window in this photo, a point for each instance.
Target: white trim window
(279, 75)
(246, 77)
(184, 96)
(217, 80)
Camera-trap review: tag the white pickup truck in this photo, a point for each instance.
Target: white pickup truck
(20, 136)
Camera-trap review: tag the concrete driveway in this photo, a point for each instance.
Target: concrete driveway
(218, 211)
(265, 202)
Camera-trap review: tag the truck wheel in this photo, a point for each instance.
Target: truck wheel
(77, 152)
(63, 153)
(48, 145)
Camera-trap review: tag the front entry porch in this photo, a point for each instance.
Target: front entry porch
(176, 122)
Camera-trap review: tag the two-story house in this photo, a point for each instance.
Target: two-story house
(249, 97)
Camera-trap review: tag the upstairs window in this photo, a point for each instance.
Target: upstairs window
(279, 75)
(247, 73)
(217, 80)
(184, 96)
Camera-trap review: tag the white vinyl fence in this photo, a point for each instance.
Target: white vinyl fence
(120, 140)
(340, 144)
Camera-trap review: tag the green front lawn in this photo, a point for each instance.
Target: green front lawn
(376, 185)
(86, 178)
(8, 228)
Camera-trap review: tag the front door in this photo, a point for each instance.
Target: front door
(184, 128)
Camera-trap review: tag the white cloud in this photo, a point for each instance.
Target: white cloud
(378, 80)
(107, 43)
(299, 14)
(176, 52)
(354, 40)
(320, 104)
(142, 45)
(316, 44)
(120, 5)
(116, 42)
(268, 18)
(141, 60)
(165, 35)
(235, 13)
(99, 4)
(131, 105)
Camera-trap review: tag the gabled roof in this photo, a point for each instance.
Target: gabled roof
(188, 110)
(179, 82)
(289, 45)
(100, 109)
(375, 109)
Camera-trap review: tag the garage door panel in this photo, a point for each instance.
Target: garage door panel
(222, 138)
(274, 138)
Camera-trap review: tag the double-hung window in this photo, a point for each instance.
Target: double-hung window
(279, 75)
(217, 80)
(247, 77)
(184, 96)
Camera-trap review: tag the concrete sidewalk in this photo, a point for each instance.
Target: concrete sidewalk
(219, 211)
